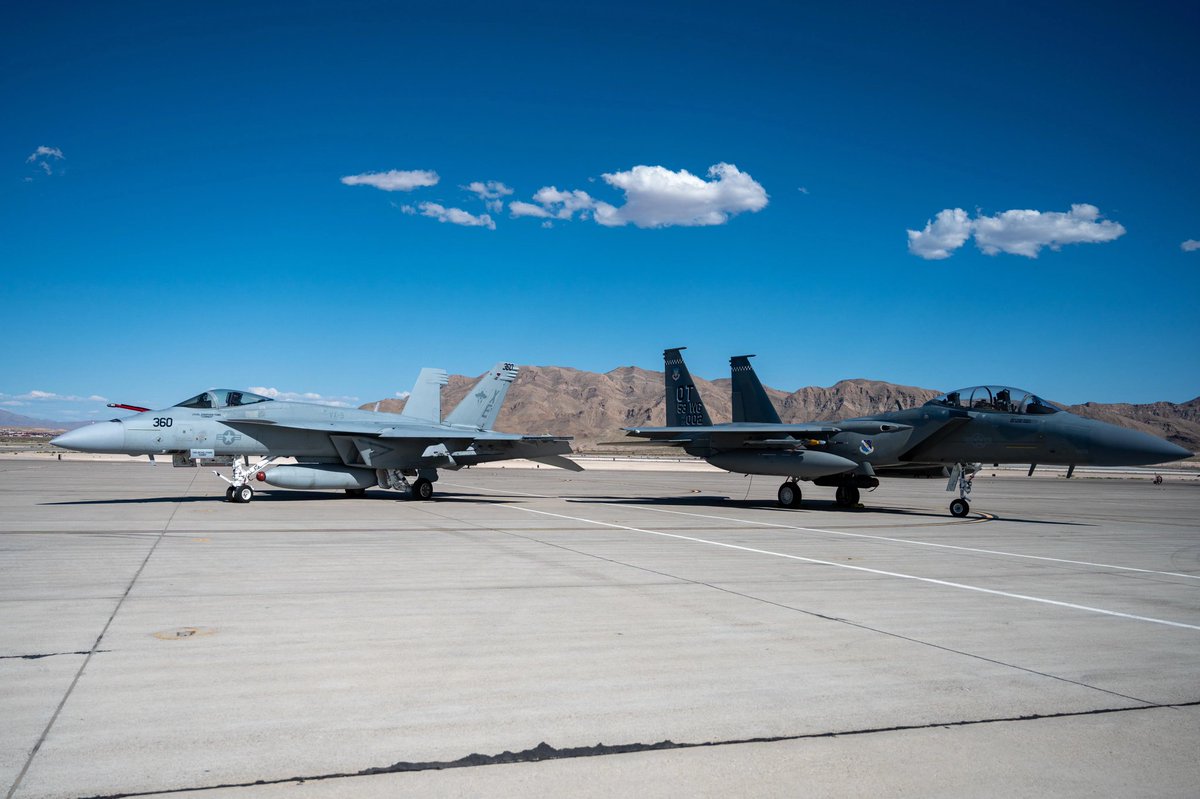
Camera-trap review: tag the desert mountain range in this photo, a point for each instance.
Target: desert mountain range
(594, 407)
(10, 419)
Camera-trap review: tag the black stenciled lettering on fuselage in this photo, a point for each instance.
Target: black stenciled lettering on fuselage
(163, 421)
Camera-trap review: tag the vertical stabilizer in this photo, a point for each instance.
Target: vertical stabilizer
(684, 406)
(480, 408)
(425, 401)
(750, 400)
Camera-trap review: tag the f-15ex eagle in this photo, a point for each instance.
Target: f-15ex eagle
(947, 436)
(335, 447)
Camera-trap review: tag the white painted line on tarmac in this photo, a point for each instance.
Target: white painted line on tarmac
(868, 536)
(917, 543)
(929, 580)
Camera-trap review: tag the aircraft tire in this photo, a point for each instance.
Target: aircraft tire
(243, 494)
(847, 496)
(960, 508)
(789, 495)
(229, 495)
(422, 489)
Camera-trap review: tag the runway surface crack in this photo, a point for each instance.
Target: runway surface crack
(545, 751)
(53, 654)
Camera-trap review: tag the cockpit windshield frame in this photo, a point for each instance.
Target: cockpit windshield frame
(996, 399)
(222, 398)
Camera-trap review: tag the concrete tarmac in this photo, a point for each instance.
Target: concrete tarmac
(539, 632)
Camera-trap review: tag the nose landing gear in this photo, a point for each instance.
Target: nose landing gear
(239, 486)
(961, 477)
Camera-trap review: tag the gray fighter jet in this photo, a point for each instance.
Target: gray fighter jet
(949, 436)
(335, 448)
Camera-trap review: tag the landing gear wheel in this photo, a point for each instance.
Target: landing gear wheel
(356, 492)
(229, 495)
(422, 489)
(960, 508)
(243, 494)
(846, 496)
(789, 495)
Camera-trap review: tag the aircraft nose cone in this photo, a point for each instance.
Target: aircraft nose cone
(1123, 447)
(99, 437)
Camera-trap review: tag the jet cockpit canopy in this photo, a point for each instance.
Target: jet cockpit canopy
(222, 398)
(1001, 399)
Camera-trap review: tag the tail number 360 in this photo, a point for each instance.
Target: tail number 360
(163, 421)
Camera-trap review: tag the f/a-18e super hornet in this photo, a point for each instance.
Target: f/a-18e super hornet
(335, 448)
(947, 436)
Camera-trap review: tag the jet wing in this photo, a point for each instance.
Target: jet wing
(742, 429)
(418, 433)
(489, 446)
(731, 436)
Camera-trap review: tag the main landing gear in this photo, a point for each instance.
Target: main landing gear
(789, 494)
(846, 496)
(420, 489)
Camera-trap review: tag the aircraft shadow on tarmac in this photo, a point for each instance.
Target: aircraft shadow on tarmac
(285, 496)
(715, 501)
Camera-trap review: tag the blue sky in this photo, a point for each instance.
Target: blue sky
(173, 214)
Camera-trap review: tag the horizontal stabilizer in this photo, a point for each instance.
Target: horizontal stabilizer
(500, 447)
(558, 461)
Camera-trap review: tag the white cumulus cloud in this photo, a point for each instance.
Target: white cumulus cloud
(45, 152)
(657, 197)
(1191, 245)
(942, 235)
(554, 204)
(44, 157)
(1018, 232)
(491, 192)
(49, 396)
(455, 216)
(1026, 232)
(654, 197)
(304, 396)
(395, 179)
(521, 208)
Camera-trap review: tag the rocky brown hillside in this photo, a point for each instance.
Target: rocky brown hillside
(594, 407)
